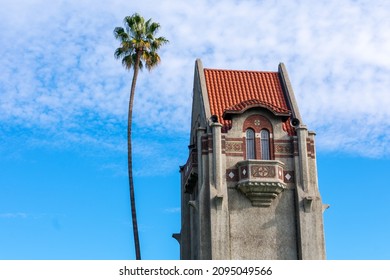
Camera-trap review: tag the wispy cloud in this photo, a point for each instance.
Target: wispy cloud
(58, 72)
(23, 215)
(13, 215)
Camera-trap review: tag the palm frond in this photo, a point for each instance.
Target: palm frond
(153, 28)
(120, 33)
(152, 59)
(128, 61)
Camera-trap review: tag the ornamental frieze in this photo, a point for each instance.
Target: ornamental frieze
(233, 147)
(283, 148)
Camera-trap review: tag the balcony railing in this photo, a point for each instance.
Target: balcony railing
(261, 180)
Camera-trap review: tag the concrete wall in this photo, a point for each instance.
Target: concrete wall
(256, 232)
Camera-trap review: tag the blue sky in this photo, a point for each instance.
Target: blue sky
(63, 102)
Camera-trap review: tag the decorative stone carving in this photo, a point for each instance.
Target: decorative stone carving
(263, 171)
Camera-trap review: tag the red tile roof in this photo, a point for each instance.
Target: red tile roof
(232, 90)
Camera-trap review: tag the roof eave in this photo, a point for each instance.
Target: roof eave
(228, 114)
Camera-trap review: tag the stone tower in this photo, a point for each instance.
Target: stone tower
(249, 187)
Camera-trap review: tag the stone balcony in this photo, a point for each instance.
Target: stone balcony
(260, 180)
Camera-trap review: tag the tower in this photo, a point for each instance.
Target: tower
(249, 188)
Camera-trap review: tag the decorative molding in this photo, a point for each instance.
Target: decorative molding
(234, 138)
(241, 155)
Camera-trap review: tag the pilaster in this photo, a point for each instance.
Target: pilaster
(311, 244)
(204, 201)
(219, 200)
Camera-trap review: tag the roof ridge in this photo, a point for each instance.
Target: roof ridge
(238, 70)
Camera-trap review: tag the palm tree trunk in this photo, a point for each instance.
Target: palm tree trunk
(130, 160)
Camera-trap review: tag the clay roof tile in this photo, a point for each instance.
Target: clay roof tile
(233, 90)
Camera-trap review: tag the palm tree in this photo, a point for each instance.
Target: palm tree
(138, 48)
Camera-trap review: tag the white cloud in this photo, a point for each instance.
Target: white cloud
(13, 215)
(58, 68)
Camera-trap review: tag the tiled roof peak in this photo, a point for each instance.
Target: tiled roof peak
(232, 89)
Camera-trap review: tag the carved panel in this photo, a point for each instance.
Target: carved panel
(233, 147)
(289, 177)
(231, 175)
(244, 174)
(263, 171)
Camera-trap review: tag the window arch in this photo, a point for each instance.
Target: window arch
(262, 130)
(264, 144)
(250, 144)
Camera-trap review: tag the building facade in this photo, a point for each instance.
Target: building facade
(249, 188)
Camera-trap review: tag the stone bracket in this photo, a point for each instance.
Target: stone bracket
(261, 194)
(308, 203)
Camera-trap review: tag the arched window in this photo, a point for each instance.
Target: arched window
(264, 143)
(250, 144)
